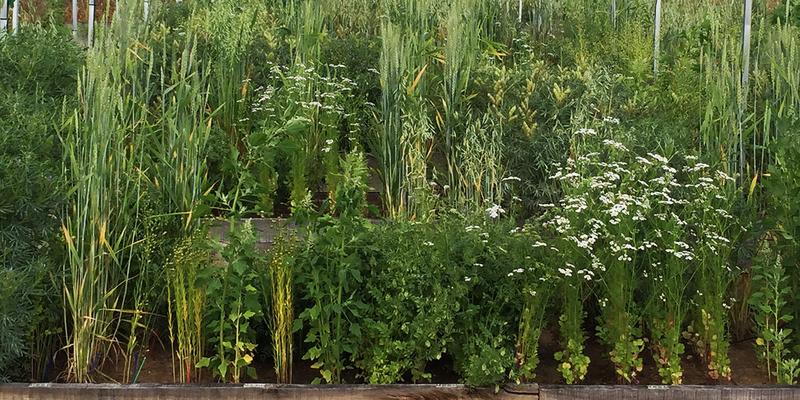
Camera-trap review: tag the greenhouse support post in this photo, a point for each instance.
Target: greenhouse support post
(656, 37)
(90, 36)
(747, 16)
(146, 9)
(746, 24)
(614, 13)
(15, 18)
(519, 16)
(74, 18)
(3, 18)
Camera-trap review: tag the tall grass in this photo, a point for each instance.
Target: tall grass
(394, 65)
(481, 164)
(101, 162)
(460, 53)
(279, 296)
(187, 306)
(180, 176)
(402, 142)
(308, 26)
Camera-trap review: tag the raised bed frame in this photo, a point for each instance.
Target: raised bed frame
(47, 391)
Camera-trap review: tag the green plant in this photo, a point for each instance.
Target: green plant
(402, 144)
(460, 53)
(102, 160)
(574, 363)
(299, 137)
(39, 68)
(716, 231)
(14, 301)
(177, 201)
(415, 297)
(495, 257)
(537, 291)
(187, 276)
(333, 264)
(768, 301)
(278, 291)
(233, 301)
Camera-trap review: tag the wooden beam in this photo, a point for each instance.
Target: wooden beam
(49, 391)
(664, 392)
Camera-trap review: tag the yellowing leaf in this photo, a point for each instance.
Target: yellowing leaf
(752, 186)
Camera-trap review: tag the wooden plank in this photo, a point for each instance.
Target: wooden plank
(49, 391)
(261, 391)
(663, 392)
(761, 393)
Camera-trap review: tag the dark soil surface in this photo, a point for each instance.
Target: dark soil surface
(745, 366)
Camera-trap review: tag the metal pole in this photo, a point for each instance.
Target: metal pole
(90, 35)
(74, 18)
(657, 37)
(146, 9)
(15, 18)
(3, 17)
(519, 17)
(746, 24)
(614, 13)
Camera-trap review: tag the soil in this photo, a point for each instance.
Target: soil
(745, 366)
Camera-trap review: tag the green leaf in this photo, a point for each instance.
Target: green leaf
(203, 363)
(223, 369)
(326, 374)
(355, 330)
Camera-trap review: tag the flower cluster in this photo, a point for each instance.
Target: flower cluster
(633, 227)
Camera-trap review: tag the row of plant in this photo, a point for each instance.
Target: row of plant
(530, 166)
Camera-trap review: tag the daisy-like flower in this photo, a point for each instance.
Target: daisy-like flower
(495, 211)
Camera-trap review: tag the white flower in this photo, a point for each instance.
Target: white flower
(658, 157)
(467, 279)
(724, 176)
(587, 132)
(611, 120)
(495, 211)
(614, 144)
(428, 243)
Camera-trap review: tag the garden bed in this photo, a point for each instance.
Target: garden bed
(471, 194)
(746, 371)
